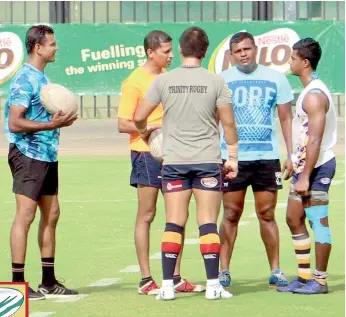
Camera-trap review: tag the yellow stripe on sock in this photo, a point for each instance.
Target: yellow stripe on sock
(304, 261)
(209, 238)
(173, 237)
(302, 247)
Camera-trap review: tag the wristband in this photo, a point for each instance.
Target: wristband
(233, 151)
(289, 156)
(142, 131)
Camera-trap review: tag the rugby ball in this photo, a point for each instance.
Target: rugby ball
(155, 144)
(55, 97)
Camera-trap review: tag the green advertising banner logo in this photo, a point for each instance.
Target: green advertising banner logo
(94, 59)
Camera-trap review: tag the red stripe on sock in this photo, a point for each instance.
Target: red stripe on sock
(210, 248)
(170, 247)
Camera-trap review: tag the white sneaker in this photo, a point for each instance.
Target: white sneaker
(166, 293)
(216, 292)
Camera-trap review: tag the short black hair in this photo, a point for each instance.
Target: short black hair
(36, 35)
(154, 39)
(194, 42)
(239, 37)
(309, 49)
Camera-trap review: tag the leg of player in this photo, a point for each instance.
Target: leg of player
(208, 207)
(265, 202)
(25, 215)
(295, 218)
(316, 209)
(177, 204)
(147, 198)
(50, 212)
(233, 204)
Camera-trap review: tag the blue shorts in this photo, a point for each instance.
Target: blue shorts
(321, 176)
(145, 170)
(178, 177)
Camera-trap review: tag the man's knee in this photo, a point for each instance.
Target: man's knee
(25, 216)
(266, 213)
(232, 212)
(146, 212)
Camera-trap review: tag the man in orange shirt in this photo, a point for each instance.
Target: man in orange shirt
(146, 171)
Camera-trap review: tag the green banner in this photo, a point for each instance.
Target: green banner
(94, 59)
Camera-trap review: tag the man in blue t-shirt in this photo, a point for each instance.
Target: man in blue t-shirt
(257, 91)
(33, 135)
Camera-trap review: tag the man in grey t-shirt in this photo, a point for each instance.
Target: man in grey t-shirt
(192, 97)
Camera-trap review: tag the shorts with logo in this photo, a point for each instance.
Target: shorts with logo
(145, 170)
(320, 177)
(32, 178)
(262, 175)
(178, 177)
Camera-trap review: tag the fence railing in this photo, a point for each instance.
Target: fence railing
(31, 12)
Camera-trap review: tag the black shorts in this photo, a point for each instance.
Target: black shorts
(178, 177)
(262, 175)
(32, 178)
(145, 170)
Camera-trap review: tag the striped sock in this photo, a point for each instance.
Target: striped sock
(170, 249)
(48, 276)
(320, 277)
(302, 245)
(210, 249)
(18, 272)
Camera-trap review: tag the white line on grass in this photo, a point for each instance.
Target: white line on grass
(105, 282)
(131, 269)
(244, 223)
(191, 241)
(337, 182)
(71, 299)
(42, 314)
(156, 256)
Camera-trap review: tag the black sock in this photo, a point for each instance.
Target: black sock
(145, 280)
(18, 272)
(176, 279)
(48, 276)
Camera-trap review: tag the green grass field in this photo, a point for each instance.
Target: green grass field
(95, 241)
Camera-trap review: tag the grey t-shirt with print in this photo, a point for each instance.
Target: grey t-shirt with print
(189, 96)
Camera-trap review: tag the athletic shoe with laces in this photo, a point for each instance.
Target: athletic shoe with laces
(35, 295)
(278, 279)
(216, 292)
(312, 287)
(149, 288)
(291, 286)
(185, 286)
(225, 278)
(57, 290)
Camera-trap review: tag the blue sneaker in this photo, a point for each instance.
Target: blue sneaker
(225, 278)
(278, 279)
(311, 288)
(291, 286)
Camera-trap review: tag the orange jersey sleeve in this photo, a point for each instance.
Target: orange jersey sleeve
(130, 98)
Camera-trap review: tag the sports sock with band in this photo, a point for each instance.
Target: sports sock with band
(210, 249)
(170, 249)
(18, 272)
(48, 275)
(302, 245)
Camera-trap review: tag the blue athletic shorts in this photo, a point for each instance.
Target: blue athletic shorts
(145, 170)
(321, 176)
(178, 177)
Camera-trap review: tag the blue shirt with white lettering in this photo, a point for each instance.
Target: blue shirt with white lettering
(25, 92)
(254, 99)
